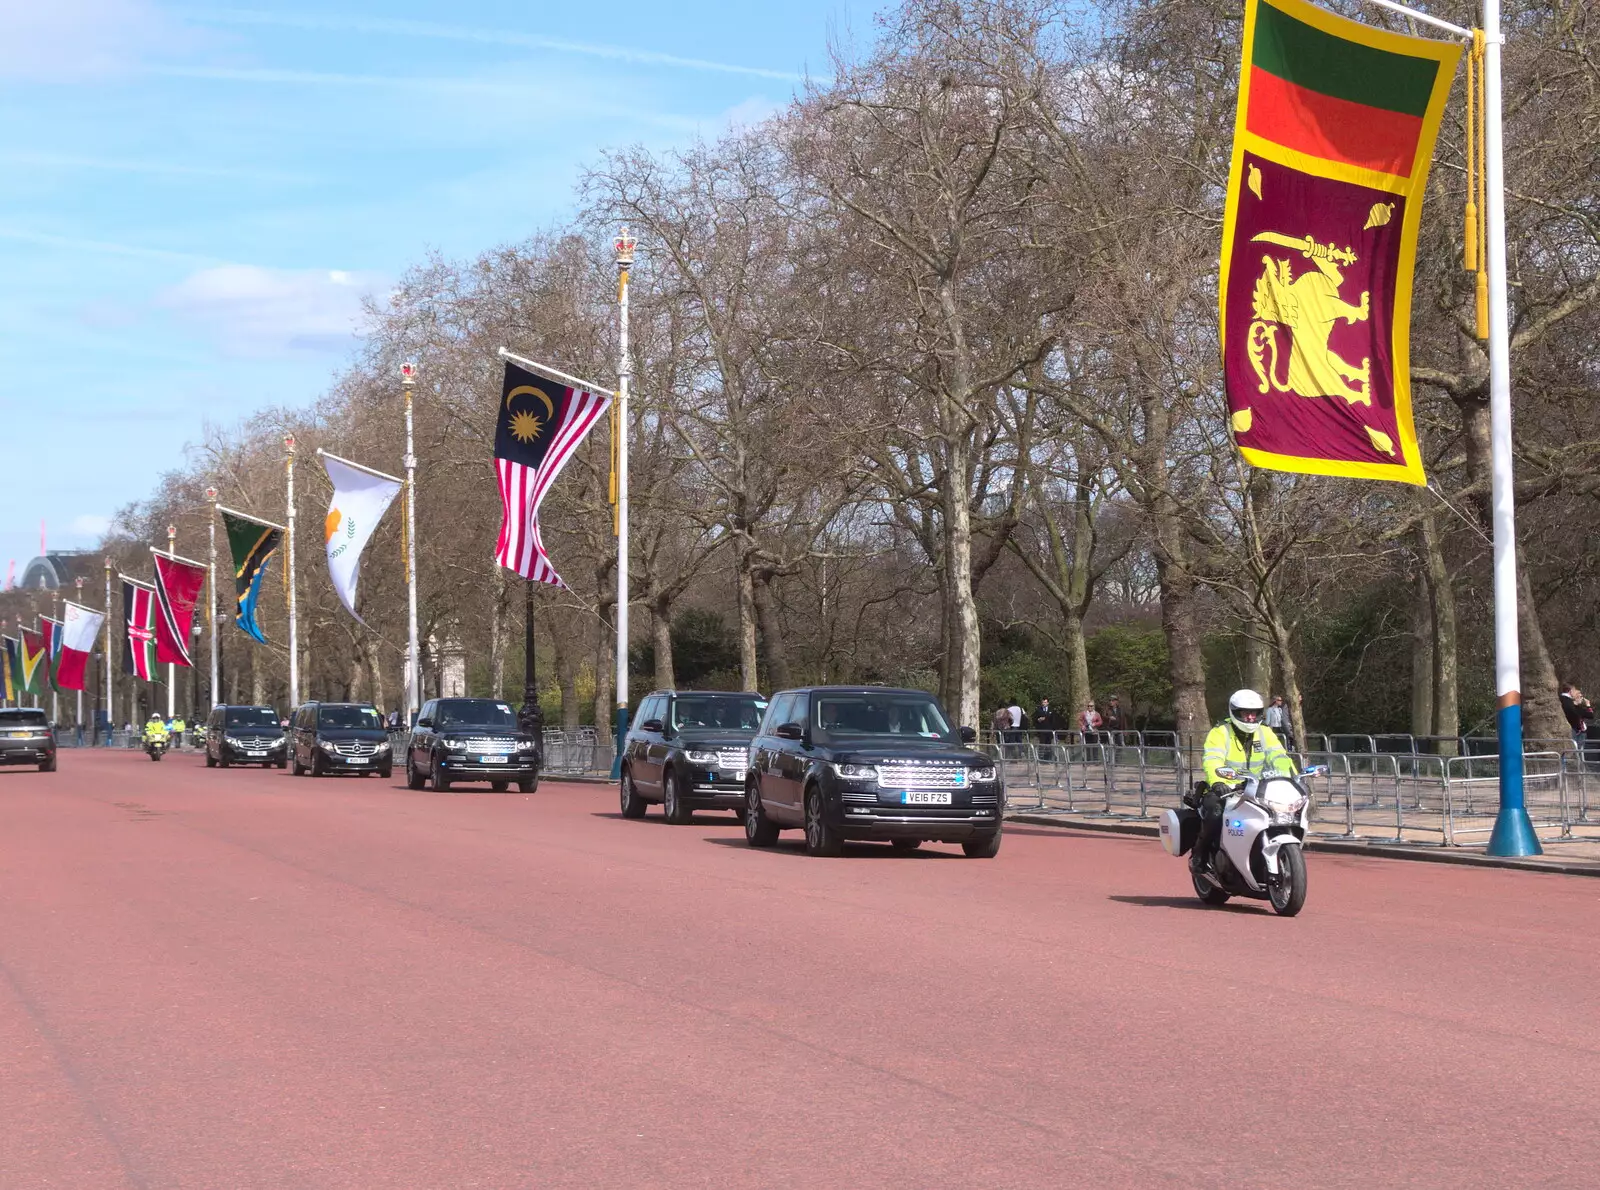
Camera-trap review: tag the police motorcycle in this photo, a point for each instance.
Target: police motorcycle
(1264, 824)
(155, 746)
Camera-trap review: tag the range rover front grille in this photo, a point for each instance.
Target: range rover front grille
(491, 744)
(923, 775)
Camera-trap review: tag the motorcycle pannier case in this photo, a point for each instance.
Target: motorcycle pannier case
(1180, 830)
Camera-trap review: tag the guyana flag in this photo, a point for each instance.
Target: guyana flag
(1333, 137)
(35, 664)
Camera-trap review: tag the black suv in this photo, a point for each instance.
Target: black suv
(471, 739)
(245, 735)
(334, 737)
(27, 737)
(845, 762)
(689, 749)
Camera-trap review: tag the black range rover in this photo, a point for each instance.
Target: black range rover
(688, 750)
(471, 739)
(26, 737)
(843, 762)
(245, 735)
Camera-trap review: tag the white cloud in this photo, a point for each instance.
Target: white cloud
(90, 524)
(259, 312)
(69, 40)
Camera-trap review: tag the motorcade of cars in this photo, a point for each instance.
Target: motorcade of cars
(245, 735)
(689, 750)
(339, 737)
(27, 737)
(471, 739)
(854, 762)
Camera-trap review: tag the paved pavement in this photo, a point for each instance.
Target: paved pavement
(240, 979)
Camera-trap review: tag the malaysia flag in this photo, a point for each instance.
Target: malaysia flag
(539, 424)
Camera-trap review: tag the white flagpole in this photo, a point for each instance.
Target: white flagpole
(294, 627)
(408, 380)
(211, 601)
(111, 711)
(172, 670)
(624, 244)
(1513, 831)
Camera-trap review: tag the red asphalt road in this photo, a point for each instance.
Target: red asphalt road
(239, 979)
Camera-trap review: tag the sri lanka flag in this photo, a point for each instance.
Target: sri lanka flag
(51, 629)
(1333, 137)
(539, 424)
(139, 629)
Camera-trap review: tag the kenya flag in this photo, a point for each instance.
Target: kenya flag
(139, 635)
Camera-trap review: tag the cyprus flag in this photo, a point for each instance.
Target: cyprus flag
(360, 498)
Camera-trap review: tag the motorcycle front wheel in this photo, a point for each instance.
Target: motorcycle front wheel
(1288, 892)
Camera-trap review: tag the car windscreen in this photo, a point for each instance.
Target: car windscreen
(473, 712)
(717, 712)
(915, 716)
(251, 717)
(349, 717)
(23, 718)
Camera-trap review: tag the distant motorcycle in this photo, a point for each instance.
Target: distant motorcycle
(1264, 824)
(155, 749)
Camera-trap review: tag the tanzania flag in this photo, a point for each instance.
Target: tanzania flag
(34, 669)
(1332, 141)
(252, 543)
(139, 630)
(51, 630)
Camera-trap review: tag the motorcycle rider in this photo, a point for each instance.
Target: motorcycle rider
(155, 730)
(1241, 742)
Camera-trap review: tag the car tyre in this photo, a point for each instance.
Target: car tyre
(985, 848)
(528, 784)
(822, 837)
(211, 761)
(413, 778)
(317, 769)
(633, 806)
(905, 844)
(759, 830)
(48, 766)
(283, 763)
(222, 762)
(437, 781)
(499, 786)
(295, 767)
(672, 802)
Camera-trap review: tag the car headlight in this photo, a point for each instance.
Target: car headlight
(278, 743)
(857, 772)
(697, 757)
(982, 776)
(456, 745)
(234, 740)
(383, 747)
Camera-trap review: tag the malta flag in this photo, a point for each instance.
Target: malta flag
(79, 630)
(178, 585)
(540, 424)
(139, 634)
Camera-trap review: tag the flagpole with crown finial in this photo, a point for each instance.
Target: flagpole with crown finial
(625, 244)
(413, 683)
(111, 712)
(172, 670)
(294, 627)
(211, 599)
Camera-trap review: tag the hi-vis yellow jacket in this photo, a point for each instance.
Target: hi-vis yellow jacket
(1227, 747)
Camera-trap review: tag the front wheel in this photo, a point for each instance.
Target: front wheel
(440, 782)
(499, 786)
(672, 804)
(1206, 891)
(528, 784)
(985, 848)
(632, 804)
(822, 837)
(759, 831)
(413, 778)
(1288, 892)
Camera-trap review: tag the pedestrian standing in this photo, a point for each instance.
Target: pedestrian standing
(1015, 712)
(1000, 723)
(1276, 716)
(1580, 714)
(1115, 720)
(1089, 722)
(1045, 726)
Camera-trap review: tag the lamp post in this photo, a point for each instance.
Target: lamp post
(172, 670)
(408, 381)
(77, 585)
(530, 718)
(625, 244)
(194, 676)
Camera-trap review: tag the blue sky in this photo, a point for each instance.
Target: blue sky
(195, 198)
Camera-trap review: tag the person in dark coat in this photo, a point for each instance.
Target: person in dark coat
(1114, 719)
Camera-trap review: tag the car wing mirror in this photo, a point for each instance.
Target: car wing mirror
(650, 725)
(424, 722)
(968, 735)
(790, 731)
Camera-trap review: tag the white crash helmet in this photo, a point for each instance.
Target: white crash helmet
(1243, 703)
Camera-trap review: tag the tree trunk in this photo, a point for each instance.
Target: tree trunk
(661, 636)
(258, 684)
(1291, 676)
(497, 636)
(748, 676)
(772, 645)
(1422, 657)
(965, 639)
(380, 696)
(1079, 691)
(1446, 712)
(1258, 659)
(566, 659)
